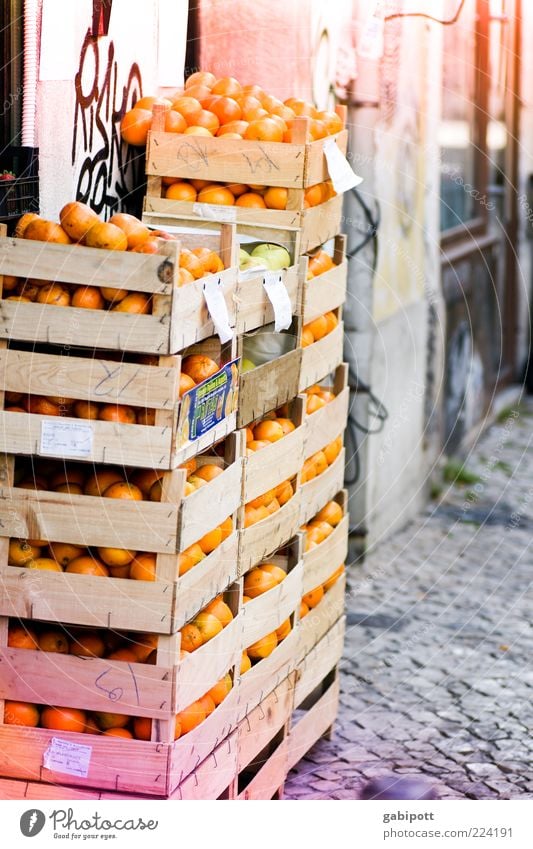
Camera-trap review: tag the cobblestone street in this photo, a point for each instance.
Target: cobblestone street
(436, 677)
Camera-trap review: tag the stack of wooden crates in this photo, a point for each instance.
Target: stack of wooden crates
(281, 706)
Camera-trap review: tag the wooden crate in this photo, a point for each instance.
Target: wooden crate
(272, 384)
(259, 541)
(317, 492)
(322, 357)
(265, 675)
(165, 527)
(309, 726)
(179, 314)
(319, 561)
(321, 618)
(327, 291)
(326, 424)
(317, 663)
(296, 165)
(268, 611)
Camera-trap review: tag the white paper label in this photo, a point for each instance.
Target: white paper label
(218, 309)
(69, 758)
(279, 298)
(340, 170)
(66, 439)
(214, 212)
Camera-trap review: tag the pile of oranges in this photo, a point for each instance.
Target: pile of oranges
(318, 462)
(318, 397)
(315, 596)
(242, 195)
(261, 579)
(260, 435)
(322, 525)
(80, 225)
(66, 719)
(206, 624)
(319, 262)
(318, 328)
(224, 108)
(194, 370)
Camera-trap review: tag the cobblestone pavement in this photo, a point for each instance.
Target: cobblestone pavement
(437, 677)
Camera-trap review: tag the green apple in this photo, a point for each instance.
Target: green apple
(276, 256)
(243, 255)
(254, 263)
(246, 365)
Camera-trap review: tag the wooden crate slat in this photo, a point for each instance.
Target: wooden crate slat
(263, 723)
(207, 507)
(213, 776)
(200, 670)
(318, 491)
(265, 614)
(319, 562)
(261, 539)
(321, 358)
(268, 386)
(327, 291)
(320, 223)
(321, 618)
(268, 467)
(267, 674)
(310, 728)
(319, 661)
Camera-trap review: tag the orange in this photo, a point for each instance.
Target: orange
(88, 644)
(207, 704)
(142, 728)
(135, 125)
(217, 194)
(150, 102)
(209, 471)
(143, 567)
(125, 655)
(210, 260)
(64, 719)
(314, 403)
(327, 585)
(175, 122)
(181, 191)
(324, 529)
(221, 689)
(227, 86)
(257, 582)
(221, 610)
(20, 637)
(102, 480)
(332, 451)
(318, 327)
(263, 647)
(250, 516)
(107, 237)
(284, 493)
(113, 295)
(189, 107)
(53, 641)
(276, 572)
(249, 435)
(145, 478)
(23, 223)
(118, 732)
(287, 425)
(201, 78)
(284, 630)
(273, 506)
(320, 462)
(88, 298)
(124, 490)
(184, 277)
(264, 129)
(308, 471)
(327, 396)
(77, 219)
(110, 720)
(276, 197)
(312, 598)
(317, 129)
(186, 383)
(44, 564)
(257, 444)
(332, 121)
(199, 92)
(251, 200)
(210, 540)
(91, 727)
(208, 625)
(72, 488)
(270, 431)
(199, 367)
(54, 295)
(116, 556)
(307, 337)
(21, 713)
(313, 538)
(40, 230)
(87, 566)
(135, 303)
(143, 648)
(191, 638)
(136, 232)
(190, 717)
(252, 110)
(331, 321)
(304, 610)
(189, 558)
(233, 127)
(198, 131)
(226, 528)
(21, 553)
(205, 119)
(119, 571)
(246, 663)
(331, 512)
(191, 263)
(226, 110)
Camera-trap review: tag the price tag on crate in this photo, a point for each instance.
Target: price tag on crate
(341, 173)
(218, 309)
(69, 758)
(66, 439)
(279, 298)
(214, 212)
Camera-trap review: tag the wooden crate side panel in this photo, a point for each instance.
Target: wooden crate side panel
(89, 520)
(318, 621)
(12, 789)
(265, 676)
(260, 540)
(321, 489)
(207, 507)
(132, 766)
(87, 600)
(198, 446)
(212, 777)
(200, 670)
(270, 777)
(316, 166)
(321, 358)
(320, 223)
(121, 444)
(321, 660)
(310, 728)
(264, 614)
(268, 467)
(191, 321)
(135, 689)
(263, 723)
(90, 379)
(254, 309)
(329, 423)
(321, 562)
(325, 292)
(206, 580)
(268, 386)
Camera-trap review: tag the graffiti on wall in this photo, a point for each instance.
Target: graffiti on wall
(109, 169)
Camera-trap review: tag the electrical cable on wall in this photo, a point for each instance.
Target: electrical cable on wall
(427, 17)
